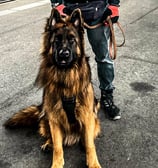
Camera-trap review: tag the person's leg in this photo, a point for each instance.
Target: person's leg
(98, 39)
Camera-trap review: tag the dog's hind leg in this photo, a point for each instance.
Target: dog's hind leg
(57, 138)
(44, 131)
(91, 156)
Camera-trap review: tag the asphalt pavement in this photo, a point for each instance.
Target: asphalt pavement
(131, 142)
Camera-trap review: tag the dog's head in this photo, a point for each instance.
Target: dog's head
(63, 39)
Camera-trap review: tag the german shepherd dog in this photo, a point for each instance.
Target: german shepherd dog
(68, 112)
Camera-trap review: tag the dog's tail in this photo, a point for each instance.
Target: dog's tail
(25, 118)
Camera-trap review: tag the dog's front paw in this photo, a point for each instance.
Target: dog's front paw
(92, 160)
(58, 165)
(95, 166)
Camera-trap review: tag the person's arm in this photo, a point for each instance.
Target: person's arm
(113, 6)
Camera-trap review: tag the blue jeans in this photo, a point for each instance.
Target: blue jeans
(98, 39)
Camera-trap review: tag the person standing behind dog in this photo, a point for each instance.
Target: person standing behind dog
(98, 39)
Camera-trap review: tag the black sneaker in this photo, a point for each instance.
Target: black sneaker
(107, 101)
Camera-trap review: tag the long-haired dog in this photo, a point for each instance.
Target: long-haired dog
(68, 112)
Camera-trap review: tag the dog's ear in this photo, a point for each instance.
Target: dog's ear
(76, 18)
(55, 17)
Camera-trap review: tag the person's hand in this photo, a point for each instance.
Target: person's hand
(106, 13)
(113, 12)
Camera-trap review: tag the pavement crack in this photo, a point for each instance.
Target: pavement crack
(144, 15)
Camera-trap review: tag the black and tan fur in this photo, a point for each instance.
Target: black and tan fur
(64, 72)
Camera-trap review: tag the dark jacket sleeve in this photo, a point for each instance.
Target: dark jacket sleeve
(114, 2)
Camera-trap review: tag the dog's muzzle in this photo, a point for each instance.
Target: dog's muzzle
(63, 57)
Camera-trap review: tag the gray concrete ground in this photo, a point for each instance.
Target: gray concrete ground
(131, 142)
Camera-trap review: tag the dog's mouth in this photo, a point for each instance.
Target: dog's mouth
(64, 57)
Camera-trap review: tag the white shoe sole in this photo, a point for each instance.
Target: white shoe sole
(117, 118)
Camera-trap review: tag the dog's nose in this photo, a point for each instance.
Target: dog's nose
(64, 53)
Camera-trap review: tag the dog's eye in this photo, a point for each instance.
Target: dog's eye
(71, 39)
(58, 38)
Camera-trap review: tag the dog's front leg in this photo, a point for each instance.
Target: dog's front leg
(57, 138)
(91, 156)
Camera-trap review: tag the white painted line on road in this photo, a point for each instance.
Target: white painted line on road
(24, 7)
